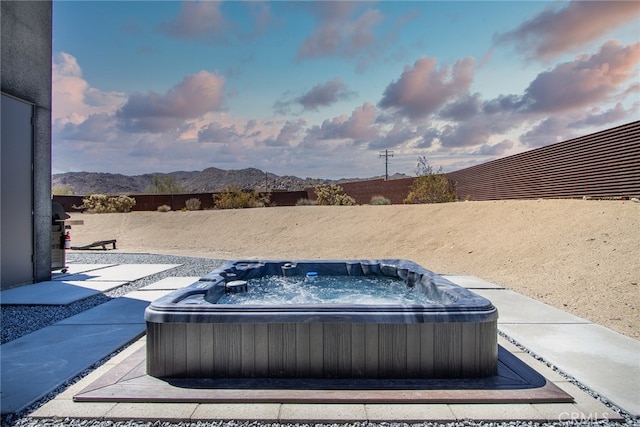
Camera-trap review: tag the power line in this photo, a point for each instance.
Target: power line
(386, 156)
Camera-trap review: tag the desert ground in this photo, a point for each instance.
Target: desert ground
(582, 256)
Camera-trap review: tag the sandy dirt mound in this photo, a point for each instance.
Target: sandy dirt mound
(580, 256)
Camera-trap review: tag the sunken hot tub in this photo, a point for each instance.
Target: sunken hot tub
(213, 329)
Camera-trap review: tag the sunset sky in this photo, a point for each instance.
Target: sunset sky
(320, 89)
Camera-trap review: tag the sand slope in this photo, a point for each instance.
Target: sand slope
(580, 256)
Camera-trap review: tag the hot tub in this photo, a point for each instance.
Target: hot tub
(191, 335)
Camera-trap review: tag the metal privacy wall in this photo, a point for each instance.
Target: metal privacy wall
(600, 165)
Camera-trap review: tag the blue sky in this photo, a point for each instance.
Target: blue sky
(319, 89)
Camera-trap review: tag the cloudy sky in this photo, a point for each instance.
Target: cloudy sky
(320, 89)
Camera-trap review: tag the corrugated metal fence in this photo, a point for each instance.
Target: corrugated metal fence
(603, 164)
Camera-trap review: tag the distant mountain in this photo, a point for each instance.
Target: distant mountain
(206, 181)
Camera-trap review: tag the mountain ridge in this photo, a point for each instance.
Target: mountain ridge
(206, 181)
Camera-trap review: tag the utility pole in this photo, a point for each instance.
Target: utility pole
(386, 156)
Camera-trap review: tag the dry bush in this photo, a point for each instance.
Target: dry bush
(333, 194)
(379, 200)
(305, 202)
(430, 186)
(101, 203)
(233, 197)
(193, 204)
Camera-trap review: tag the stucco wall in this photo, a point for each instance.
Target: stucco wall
(25, 72)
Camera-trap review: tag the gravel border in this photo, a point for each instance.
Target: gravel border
(21, 320)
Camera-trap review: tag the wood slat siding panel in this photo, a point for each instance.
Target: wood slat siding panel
(275, 350)
(179, 348)
(155, 365)
(427, 359)
(248, 342)
(316, 350)
(261, 341)
(414, 353)
(322, 350)
(303, 349)
(206, 349)
(488, 349)
(289, 350)
(358, 346)
(371, 350)
(448, 350)
(392, 350)
(344, 342)
(469, 360)
(193, 350)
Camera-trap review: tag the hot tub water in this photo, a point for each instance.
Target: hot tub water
(317, 289)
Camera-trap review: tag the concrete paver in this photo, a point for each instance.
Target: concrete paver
(47, 293)
(171, 283)
(470, 282)
(516, 308)
(72, 409)
(495, 412)
(37, 363)
(147, 296)
(585, 406)
(98, 285)
(78, 268)
(129, 272)
(409, 412)
(152, 411)
(269, 412)
(599, 358)
(326, 413)
(119, 311)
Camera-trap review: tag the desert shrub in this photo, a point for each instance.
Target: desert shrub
(101, 203)
(233, 197)
(333, 194)
(193, 204)
(164, 208)
(430, 186)
(380, 200)
(305, 202)
(164, 185)
(63, 190)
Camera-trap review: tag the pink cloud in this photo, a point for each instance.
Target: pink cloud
(499, 149)
(192, 98)
(197, 19)
(556, 31)
(337, 32)
(422, 89)
(289, 134)
(217, 133)
(548, 131)
(324, 94)
(73, 99)
(587, 81)
(599, 118)
(360, 126)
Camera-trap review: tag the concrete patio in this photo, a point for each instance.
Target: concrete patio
(35, 364)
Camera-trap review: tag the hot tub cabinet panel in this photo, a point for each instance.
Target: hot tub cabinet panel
(453, 338)
(321, 350)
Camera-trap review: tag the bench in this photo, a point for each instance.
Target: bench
(102, 243)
